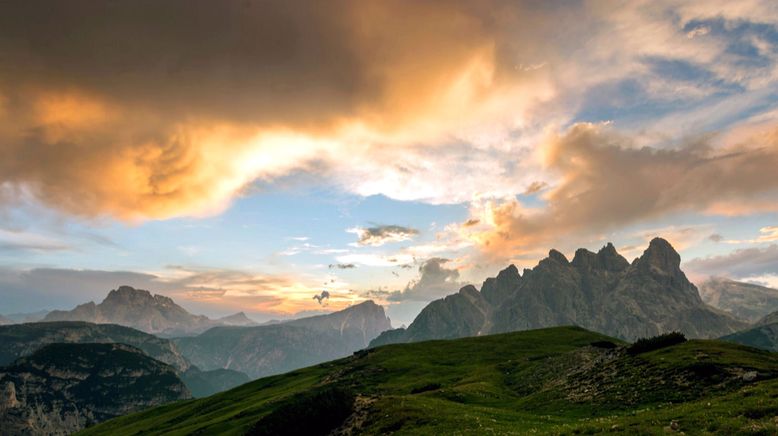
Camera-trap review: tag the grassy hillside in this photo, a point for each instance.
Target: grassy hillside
(561, 380)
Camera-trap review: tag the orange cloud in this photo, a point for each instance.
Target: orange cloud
(604, 183)
(147, 118)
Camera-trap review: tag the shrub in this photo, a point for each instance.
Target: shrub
(644, 345)
(426, 388)
(603, 344)
(311, 413)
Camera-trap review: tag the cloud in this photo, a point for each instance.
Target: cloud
(535, 187)
(380, 235)
(209, 290)
(767, 234)
(742, 263)
(715, 237)
(442, 102)
(605, 183)
(137, 117)
(342, 265)
(23, 241)
(373, 259)
(435, 281)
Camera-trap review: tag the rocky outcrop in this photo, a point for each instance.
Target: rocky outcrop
(598, 291)
(745, 301)
(272, 349)
(63, 388)
(140, 310)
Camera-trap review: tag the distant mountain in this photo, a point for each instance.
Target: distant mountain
(21, 340)
(237, 319)
(140, 310)
(26, 317)
(599, 291)
(62, 388)
(763, 335)
(770, 318)
(272, 349)
(5, 321)
(745, 301)
(554, 381)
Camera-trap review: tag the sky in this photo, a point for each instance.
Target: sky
(250, 155)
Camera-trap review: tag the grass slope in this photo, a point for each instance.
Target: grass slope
(548, 381)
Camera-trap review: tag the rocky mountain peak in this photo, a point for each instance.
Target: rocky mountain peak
(496, 290)
(128, 296)
(558, 256)
(610, 259)
(469, 291)
(237, 319)
(660, 255)
(584, 259)
(510, 273)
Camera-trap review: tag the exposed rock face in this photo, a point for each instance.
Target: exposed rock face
(745, 301)
(63, 388)
(140, 310)
(272, 349)
(598, 291)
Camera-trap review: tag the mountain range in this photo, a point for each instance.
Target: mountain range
(20, 340)
(745, 301)
(64, 387)
(139, 309)
(599, 291)
(275, 348)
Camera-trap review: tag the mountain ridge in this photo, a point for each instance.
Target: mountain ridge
(139, 309)
(599, 291)
(746, 301)
(273, 348)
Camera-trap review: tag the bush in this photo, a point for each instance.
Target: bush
(426, 388)
(603, 344)
(311, 413)
(644, 345)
